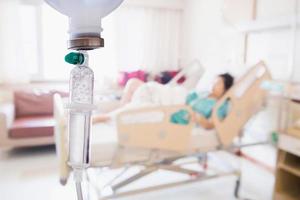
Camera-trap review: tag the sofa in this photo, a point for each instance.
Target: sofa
(27, 120)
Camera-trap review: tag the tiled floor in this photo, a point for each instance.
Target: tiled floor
(32, 174)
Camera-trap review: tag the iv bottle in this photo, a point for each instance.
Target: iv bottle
(80, 110)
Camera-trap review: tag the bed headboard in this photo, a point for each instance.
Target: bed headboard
(245, 99)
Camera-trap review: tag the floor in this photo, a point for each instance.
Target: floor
(32, 174)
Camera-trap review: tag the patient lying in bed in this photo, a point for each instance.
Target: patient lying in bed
(138, 94)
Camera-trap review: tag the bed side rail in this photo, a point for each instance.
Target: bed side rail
(151, 128)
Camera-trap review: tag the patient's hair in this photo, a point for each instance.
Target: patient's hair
(228, 80)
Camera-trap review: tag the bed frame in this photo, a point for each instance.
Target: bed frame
(154, 143)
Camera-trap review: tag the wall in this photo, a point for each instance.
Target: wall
(274, 45)
(207, 36)
(211, 34)
(170, 4)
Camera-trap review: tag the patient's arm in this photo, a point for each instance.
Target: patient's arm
(205, 123)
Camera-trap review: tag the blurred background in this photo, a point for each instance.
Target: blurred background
(149, 40)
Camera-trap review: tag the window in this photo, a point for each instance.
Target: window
(54, 37)
(148, 38)
(135, 38)
(29, 43)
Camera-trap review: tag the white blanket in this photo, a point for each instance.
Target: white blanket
(154, 94)
(157, 94)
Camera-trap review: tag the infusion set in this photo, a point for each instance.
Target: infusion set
(84, 35)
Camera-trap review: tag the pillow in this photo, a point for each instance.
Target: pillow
(125, 76)
(206, 82)
(166, 76)
(32, 103)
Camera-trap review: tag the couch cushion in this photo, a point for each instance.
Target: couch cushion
(36, 102)
(28, 127)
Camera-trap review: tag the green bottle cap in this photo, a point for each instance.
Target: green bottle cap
(275, 137)
(74, 58)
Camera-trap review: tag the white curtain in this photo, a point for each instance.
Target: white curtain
(12, 69)
(136, 37)
(148, 38)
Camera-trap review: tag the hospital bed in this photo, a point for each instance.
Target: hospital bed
(146, 138)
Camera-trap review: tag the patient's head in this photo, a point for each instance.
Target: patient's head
(222, 84)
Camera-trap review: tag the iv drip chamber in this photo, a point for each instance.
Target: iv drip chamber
(80, 110)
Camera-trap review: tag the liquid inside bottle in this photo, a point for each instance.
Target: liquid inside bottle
(81, 96)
